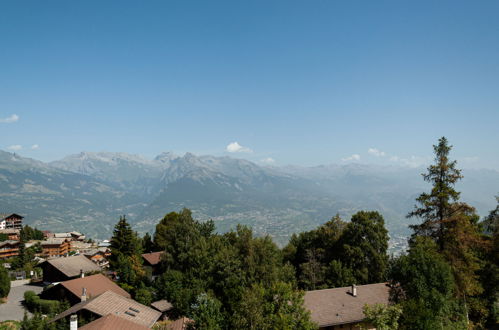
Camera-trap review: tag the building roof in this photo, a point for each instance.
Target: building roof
(112, 303)
(94, 284)
(338, 306)
(153, 258)
(53, 241)
(9, 242)
(4, 216)
(62, 235)
(71, 266)
(10, 231)
(162, 305)
(111, 321)
(179, 324)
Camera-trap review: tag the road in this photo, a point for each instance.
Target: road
(13, 308)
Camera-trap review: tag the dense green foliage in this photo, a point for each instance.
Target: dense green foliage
(125, 256)
(450, 260)
(27, 234)
(209, 277)
(35, 304)
(340, 254)
(4, 282)
(382, 317)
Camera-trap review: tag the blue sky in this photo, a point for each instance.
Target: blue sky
(296, 82)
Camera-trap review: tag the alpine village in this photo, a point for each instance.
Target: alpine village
(337, 276)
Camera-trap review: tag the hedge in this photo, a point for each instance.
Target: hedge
(36, 304)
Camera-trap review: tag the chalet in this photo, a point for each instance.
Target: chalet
(76, 236)
(11, 221)
(99, 256)
(63, 269)
(342, 308)
(55, 247)
(115, 304)
(82, 289)
(9, 249)
(151, 264)
(12, 234)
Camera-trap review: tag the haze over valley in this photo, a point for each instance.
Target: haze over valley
(89, 191)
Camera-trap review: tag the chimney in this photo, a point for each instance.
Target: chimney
(354, 290)
(73, 322)
(84, 294)
(82, 274)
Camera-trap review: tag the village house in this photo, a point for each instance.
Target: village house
(11, 221)
(56, 247)
(342, 308)
(151, 264)
(9, 249)
(110, 302)
(82, 289)
(63, 269)
(12, 234)
(99, 256)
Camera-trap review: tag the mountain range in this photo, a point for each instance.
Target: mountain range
(89, 191)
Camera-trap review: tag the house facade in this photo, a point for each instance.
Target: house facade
(9, 249)
(11, 221)
(56, 247)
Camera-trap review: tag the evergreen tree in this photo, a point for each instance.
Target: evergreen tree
(147, 244)
(435, 208)
(124, 240)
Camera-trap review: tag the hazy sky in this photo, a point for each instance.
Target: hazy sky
(296, 82)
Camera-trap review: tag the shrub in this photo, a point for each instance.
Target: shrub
(4, 282)
(36, 304)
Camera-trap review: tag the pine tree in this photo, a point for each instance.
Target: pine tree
(435, 208)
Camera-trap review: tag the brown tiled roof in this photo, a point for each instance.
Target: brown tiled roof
(112, 303)
(179, 324)
(162, 305)
(338, 306)
(71, 266)
(95, 285)
(111, 321)
(153, 258)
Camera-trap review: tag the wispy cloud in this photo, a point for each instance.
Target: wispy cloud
(353, 157)
(376, 152)
(35, 146)
(268, 161)
(10, 119)
(236, 147)
(15, 147)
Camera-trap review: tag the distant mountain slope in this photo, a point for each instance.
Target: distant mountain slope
(88, 192)
(58, 199)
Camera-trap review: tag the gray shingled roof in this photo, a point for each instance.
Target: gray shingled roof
(71, 266)
(112, 303)
(338, 306)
